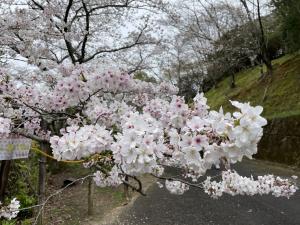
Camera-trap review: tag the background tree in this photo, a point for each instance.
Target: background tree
(217, 36)
(47, 33)
(258, 32)
(288, 12)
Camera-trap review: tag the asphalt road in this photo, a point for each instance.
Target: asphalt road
(196, 208)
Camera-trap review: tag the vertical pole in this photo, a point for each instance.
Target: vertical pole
(4, 171)
(90, 196)
(42, 182)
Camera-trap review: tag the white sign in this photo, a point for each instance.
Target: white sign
(14, 147)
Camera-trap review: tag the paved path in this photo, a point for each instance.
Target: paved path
(196, 208)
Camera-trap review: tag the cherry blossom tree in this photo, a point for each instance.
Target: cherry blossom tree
(47, 33)
(117, 125)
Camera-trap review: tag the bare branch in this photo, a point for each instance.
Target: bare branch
(126, 4)
(176, 179)
(137, 42)
(56, 193)
(37, 4)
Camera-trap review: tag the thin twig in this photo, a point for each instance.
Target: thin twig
(176, 179)
(56, 193)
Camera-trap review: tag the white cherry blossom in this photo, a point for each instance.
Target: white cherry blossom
(5, 124)
(176, 187)
(11, 211)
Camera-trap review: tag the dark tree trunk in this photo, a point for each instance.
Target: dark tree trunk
(4, 171)
(126, 189)
(268, 62)
(259, 32)
(90, 197)
(263, 44)
(233, 81)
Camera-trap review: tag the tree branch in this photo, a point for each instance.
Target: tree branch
(126, 4)
(31, 136)
(180, 180)
(68, 43)
(137, 42)
(37, 4)
(87, 29)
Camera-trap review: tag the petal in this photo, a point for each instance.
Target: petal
(258, 109)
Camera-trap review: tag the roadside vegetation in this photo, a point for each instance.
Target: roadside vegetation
(279, 94)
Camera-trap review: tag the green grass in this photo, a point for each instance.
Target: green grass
(281, 91)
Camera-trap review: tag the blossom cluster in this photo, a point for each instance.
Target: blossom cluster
(98, 97)
(4, 127)
(200, 138)
(234, 184)
(141, 144)
(107, 113)
(80, 142)
(80, 85)
(11, 211)
(112, 179)
(176, 187)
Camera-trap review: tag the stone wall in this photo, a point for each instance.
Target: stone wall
(281, 141)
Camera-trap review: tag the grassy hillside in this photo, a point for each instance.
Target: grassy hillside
(279, 95)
